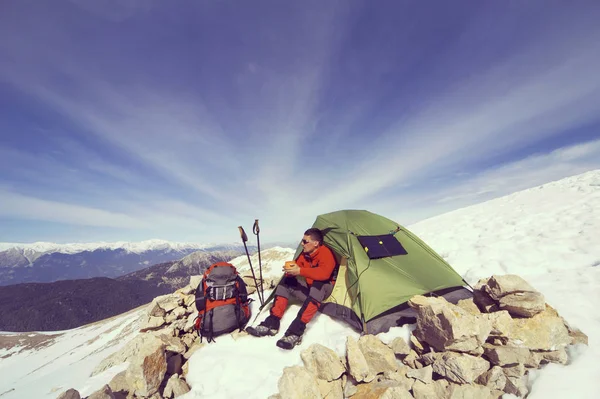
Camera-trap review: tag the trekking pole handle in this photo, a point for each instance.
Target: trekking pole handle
(255, 228)
(243, 234)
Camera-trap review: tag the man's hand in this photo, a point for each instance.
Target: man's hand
(292, 270)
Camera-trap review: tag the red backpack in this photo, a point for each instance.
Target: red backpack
(222, 301)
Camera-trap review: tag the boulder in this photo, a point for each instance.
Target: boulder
(499, 286)
(297, 383)
(400, 347)
(500, 321)
(516, 386)
(494, 378)
(147, 368)
(381, 390)
(469, 305)
(70, 394)
(436, 390)
(331, 389)
(470, 392)
(168, 302)
(357, 364)
(544, 331)
(459, 367)
(195, 281)
(445, 326)
(323, 362)
(379, 357)
(152, 323)
(506, 355)
(424, 374)
(523, 304)
(118, 384)
(175, 387)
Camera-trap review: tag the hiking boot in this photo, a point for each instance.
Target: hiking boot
(289, 341)
(261, 331)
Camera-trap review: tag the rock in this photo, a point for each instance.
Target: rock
(412, 360)
(435, 390)
(429, 358)
(506, 355)
(425, 374)
(189, 300)
(331, 390)
(323, 362)
(577, 337)
(516, 386)
(379, 356)
(544, 331)
(470, 392)
(500, 321)
(197, 345)
(172, 344)
(524, 304)
(70, 394)
(516, 371)
(118, 384)
(357, 364)
(381, 389)
(167, 302)
(179, 312)
(188, 340)
(445, 326)
(559, 356)
(152, 323)
(350, 387)
(400, 347)
(155, 311)
(484, 302)
(297, 383)
(396, 393)
(195, 281)
(418, 346)
(400, 377)
(499, 286)
(103, 393)
(494, 378)
(469, 305)
(171, 317)
(174, 364)
(175, 387)
(189, 324)
(127, 352)
(460, 368)
(147, 369)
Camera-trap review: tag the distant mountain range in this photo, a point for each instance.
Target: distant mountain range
(47, 262)
(71, 303)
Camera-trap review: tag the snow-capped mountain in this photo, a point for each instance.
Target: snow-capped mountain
(47, 262)
(133, 247)
(548, 234)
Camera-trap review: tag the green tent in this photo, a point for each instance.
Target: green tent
(381, 266)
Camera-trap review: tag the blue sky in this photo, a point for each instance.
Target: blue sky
(131, 120)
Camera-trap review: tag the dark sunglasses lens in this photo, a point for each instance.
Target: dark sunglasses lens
(304, 242)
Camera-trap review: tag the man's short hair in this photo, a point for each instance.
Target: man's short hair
(315, 234)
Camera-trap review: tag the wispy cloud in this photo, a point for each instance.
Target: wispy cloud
(326, 108)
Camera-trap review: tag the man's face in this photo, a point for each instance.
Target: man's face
(308, 245)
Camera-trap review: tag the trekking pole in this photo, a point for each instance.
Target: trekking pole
(256, 231)
(244, 239)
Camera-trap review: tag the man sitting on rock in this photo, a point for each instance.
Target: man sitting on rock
(310, 279)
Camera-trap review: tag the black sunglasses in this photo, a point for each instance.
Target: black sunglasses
(305, 241)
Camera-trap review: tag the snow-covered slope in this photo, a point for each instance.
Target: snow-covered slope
(547, 234)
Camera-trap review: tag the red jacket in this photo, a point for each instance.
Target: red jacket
(317, 266)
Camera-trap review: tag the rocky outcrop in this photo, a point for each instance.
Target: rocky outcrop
(480, 348)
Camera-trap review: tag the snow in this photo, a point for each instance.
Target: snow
(134, 247)
(546, 234)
